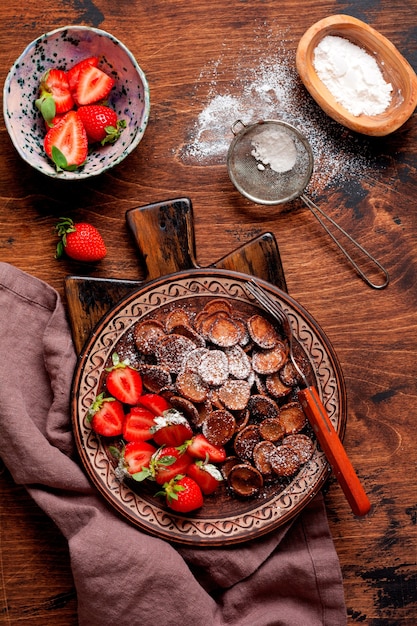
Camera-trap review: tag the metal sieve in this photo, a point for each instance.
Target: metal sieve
(275, 178)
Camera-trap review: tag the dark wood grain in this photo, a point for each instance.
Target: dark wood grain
(191, 54)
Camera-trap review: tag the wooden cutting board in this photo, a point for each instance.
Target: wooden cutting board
(164, 235)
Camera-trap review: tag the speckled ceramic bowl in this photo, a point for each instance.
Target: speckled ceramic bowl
(63, 48)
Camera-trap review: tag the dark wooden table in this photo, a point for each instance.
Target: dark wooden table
(208, 63)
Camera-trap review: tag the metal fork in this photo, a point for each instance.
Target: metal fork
(315, 411)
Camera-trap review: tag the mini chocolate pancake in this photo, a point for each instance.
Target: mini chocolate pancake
(234, 394)
(191, 386)
(262, 332)
(302, 445)
(292, 417)
(285, 461)
(219, 427)
(272, 429)
(146, 334)
(245, 480)
(262, 454)
(261, 407)
(245, 441)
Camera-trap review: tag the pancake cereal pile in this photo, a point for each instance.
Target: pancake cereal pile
(228, 373)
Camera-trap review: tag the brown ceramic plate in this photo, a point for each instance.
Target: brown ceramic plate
(223, 519)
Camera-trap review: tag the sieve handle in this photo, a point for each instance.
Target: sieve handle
(319, 214)
(235, 124)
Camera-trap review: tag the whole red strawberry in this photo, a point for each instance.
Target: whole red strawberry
(101, 123)
(182, 494)
(80, 241)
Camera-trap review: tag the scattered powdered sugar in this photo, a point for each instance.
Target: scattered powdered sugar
(352, 76)
(271, 89)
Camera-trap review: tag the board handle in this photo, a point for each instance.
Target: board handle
(164, 235)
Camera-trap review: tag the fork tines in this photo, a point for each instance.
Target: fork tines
(270, 305)
(275, 309)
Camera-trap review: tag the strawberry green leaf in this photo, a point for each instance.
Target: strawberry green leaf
(142, 475)
(167, 460)
(59, 159)
(59, 250)
(113, 133)
(115, 452)
(47, 107)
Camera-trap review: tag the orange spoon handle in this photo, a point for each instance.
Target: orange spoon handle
(336, 454)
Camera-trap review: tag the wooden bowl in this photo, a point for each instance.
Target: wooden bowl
(395, 70)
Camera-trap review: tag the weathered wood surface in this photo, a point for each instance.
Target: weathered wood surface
(197, 57)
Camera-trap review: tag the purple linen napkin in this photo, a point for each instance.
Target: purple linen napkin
(290, 577)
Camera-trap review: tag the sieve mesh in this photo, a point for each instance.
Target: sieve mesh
(266, 186)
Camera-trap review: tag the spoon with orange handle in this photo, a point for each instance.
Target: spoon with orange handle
(317, 415)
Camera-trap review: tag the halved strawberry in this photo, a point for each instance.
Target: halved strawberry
(171, 429)
(137, 456)
(200, 448)
(123, 382)
(155, 403)
(138, 423)
(74, 72)
(66, 143)
(94, 85)
(106, 416)
(206, 475)
(54, 94)
(169, 462)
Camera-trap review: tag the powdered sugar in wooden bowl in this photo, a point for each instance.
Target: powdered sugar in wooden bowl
(396, 73)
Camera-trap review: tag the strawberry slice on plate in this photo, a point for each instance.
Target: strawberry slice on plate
(155, 403)
(138, 424)
(169, 462)
(106, 416)
(206, 475)
(200, 448)
(93, 85)
(124, 382)
(66, 143)
(171, 429)
(137, 456)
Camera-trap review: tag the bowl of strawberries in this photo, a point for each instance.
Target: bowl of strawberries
(75, 103)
